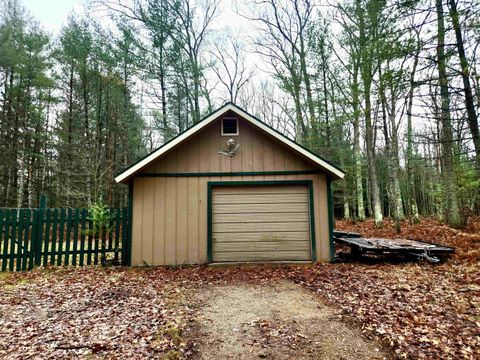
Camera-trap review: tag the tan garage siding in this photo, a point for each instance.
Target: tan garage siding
(257, 152)
(170, 217)
(170, 210)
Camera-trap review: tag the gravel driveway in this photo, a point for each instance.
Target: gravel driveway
(278, 320)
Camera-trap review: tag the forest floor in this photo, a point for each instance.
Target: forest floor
(405, 310)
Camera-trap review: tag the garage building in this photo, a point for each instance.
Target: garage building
(230, 189)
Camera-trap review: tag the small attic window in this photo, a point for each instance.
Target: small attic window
(229, 126)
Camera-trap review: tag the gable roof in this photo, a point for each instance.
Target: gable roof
(323, 164)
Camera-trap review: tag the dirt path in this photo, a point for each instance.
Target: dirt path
(276, 321)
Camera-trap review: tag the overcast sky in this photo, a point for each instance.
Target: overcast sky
(52, 13)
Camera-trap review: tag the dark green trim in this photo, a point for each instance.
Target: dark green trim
(127, 244)
(330, 218)
(312, 220)
(259, 182)
(212, 184)
(213, 113)
(246, 173)
(209, 223)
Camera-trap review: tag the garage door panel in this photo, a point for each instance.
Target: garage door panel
(258, 217)
(261, 246)
(245, 237)
(262, 256)
(254, 223)
(290, 189)
(260, 199)
(258, 208)
(260, 227)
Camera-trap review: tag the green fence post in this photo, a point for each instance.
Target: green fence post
(37, 249)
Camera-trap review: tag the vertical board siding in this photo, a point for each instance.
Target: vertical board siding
(44, 236)
(192, 220)
(202, 220)
(137, 219)
(179, 215)
(322, 219)
(181, 219)
(117, 235)
(168, 229)
(148, 220)
(159, 223)
(321, 214)
(257, 152)
(177, 206)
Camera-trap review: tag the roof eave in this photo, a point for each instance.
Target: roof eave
(334, 172)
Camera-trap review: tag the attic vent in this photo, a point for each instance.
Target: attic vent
(229, 126)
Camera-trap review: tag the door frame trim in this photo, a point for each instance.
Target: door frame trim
(212, 184)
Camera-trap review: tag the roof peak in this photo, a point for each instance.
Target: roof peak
(328, 167)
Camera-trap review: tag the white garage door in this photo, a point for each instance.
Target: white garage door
(260, 223)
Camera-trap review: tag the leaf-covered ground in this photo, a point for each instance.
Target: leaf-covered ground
(419, 310)
(118, 313)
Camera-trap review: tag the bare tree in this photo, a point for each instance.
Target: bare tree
(230, 67)
(368, 21)
(412, 201)
(450, 209)
(195, 19)
(467, 88)
(283, 30)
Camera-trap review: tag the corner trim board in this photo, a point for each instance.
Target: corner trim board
(330, 218)
(128, 250)
(209, 223)
(312, 220)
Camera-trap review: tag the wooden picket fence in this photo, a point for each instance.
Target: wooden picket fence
(60, 237)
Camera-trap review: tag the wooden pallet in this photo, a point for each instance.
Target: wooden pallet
(377, 246)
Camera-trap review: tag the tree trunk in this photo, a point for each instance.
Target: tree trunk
(308, 87)
(346, 201)
(196, 93)
(450, 208)
(163, 94)
(366, 69)
(395, 163)
(372, 167)
(412, 200)
(467, 88)
(325, 98)
(391, 176)
(301, 132)
(356, 144)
